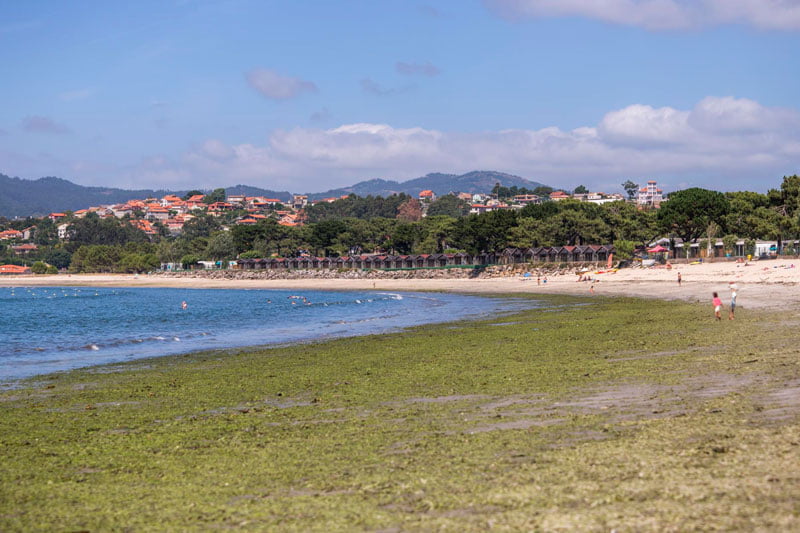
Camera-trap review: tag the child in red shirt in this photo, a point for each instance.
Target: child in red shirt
(717, 303)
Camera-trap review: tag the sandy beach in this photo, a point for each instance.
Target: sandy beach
(762, 284)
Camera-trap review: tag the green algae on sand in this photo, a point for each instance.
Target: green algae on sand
(614, 414)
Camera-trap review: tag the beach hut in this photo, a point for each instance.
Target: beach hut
(437, 260)
(484, 258)
(462, 258)
(591, 253)
(540, 254)
(603, 251)
(511, 256)
(529, 255)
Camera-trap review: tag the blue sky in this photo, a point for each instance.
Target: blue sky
(306, 95)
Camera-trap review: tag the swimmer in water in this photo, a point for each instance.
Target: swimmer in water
(184, 305)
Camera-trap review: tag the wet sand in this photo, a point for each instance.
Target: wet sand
(762, 284)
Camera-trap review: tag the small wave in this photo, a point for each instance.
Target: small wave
(391, 295)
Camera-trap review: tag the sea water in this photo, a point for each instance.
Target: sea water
(49, 329)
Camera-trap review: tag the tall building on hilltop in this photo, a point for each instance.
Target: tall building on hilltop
(650, 195)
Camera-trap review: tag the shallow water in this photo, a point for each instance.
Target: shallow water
(48, 329)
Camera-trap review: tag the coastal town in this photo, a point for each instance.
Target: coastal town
(400, 266)
(215, 230)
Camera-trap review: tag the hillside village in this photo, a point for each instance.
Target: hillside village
(172, 212)
(217, 229)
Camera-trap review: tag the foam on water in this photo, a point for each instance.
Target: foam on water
(57, 328)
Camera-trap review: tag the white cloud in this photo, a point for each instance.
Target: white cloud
(277, 86)
(661, 14)
(736, 115)
(642, 125)
(722, 142)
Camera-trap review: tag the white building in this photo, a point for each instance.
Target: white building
(650, 195)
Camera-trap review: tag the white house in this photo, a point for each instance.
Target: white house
(650, 195)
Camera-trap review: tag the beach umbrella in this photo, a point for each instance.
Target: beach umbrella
(657, 249)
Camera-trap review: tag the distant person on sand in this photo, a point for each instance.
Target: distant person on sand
(734, 290)
(679, 279)
(717, 303)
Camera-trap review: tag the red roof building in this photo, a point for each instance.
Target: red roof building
(14, 269)
(559, 195)
(10, 234)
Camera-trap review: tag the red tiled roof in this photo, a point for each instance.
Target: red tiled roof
(14, 269)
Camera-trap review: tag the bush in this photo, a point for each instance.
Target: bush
(138, 262)
(39, 267)
(624, 249)
(188, 261)
(51, 270)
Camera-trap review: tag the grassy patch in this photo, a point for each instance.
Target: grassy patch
(612, 414)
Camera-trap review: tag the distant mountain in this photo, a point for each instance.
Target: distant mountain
(19, 197)
(471, 182)
(22, 198)
(247, 190)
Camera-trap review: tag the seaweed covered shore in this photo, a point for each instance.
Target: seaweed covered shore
(590, 414)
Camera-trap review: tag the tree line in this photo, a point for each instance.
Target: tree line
(395, 225)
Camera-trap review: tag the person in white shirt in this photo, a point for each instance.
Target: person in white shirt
(734, 290)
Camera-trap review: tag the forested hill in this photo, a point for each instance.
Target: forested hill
(22, 198)
(472, 182)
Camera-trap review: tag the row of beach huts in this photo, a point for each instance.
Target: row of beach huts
(548, 254)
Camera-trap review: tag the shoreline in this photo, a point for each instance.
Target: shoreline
(457, 307)
(302, 437)
(762, 284)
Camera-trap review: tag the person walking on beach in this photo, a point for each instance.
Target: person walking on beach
(717, 303)
(734, 290)
(679, 279)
